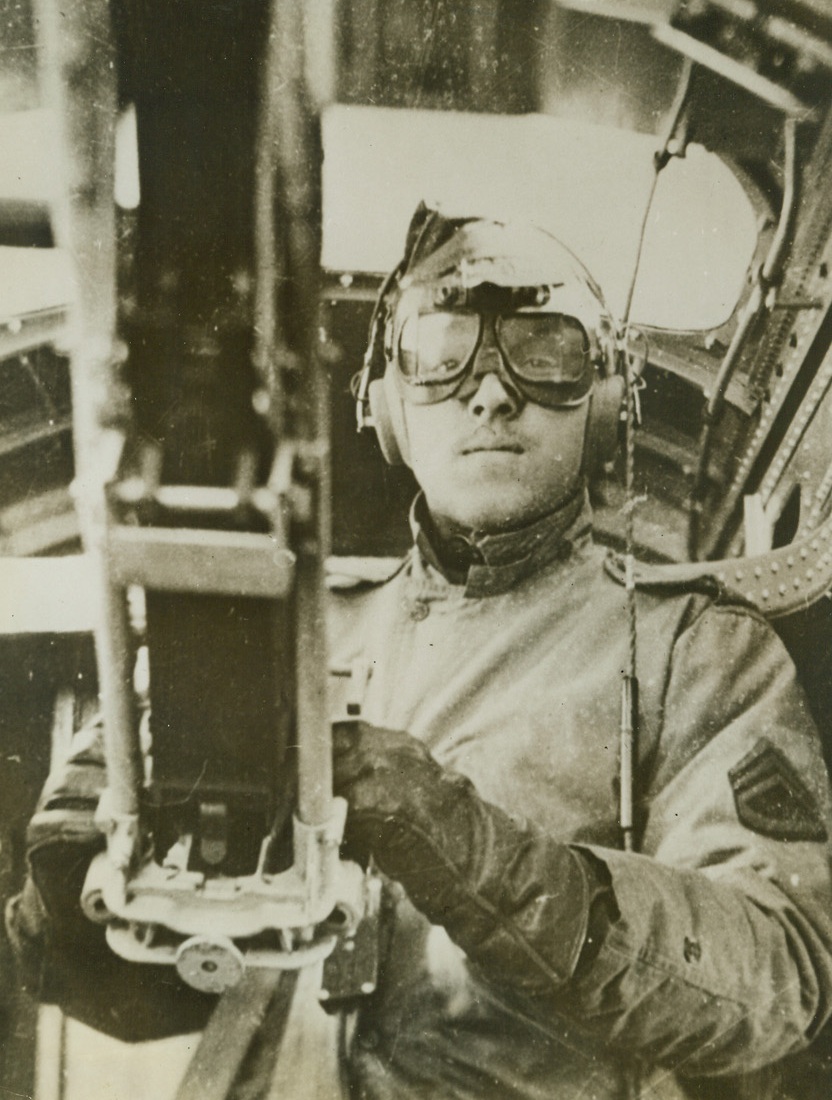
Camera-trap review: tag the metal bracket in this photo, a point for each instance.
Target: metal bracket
(167, 914)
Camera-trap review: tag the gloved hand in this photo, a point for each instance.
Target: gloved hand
(515, 900)
(61, 840)
(63, 957)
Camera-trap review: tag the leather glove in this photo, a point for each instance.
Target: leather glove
(61, 839)
(62, 957)
(515, 900)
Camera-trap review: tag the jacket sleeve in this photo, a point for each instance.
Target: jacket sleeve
(720, 956)
(63, 957)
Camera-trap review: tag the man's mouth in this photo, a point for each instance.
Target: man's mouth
(481, 445)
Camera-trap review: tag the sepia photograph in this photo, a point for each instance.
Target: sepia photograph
(415, 549)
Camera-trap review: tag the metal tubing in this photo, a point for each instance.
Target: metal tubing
(121, 746)
(195, 498)
(627, 765)
(175, 559)
(314, 735)
(771, 265)
(296, 163)
(77, 57)
(78, 68)
(270, 265)
(768, 273)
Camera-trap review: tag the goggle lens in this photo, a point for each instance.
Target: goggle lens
(547, 351)
(435, 348)
(544, 347)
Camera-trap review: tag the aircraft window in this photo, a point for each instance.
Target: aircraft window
(588, 184)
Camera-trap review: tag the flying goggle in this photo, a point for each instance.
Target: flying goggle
(438, 346)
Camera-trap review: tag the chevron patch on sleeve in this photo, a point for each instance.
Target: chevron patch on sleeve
(771, 797)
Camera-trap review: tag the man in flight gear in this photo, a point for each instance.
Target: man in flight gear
(529, 955)
(525, 954)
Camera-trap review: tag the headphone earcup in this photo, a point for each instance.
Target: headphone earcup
(603, 419)
(388, 420)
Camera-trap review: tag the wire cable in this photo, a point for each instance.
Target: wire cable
(628, 734)
(629, 727)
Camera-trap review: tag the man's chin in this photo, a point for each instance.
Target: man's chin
(488, 514)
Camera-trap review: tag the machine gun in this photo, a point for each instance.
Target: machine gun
(202, 482)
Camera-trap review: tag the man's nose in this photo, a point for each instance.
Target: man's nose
(494, 396)
(492, 390)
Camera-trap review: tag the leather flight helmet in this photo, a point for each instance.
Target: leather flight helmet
(448, 258)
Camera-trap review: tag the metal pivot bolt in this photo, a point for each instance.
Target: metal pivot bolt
(209, 965)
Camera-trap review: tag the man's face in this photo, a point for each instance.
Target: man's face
(488, 459)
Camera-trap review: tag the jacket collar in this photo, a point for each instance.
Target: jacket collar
(490, 565)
